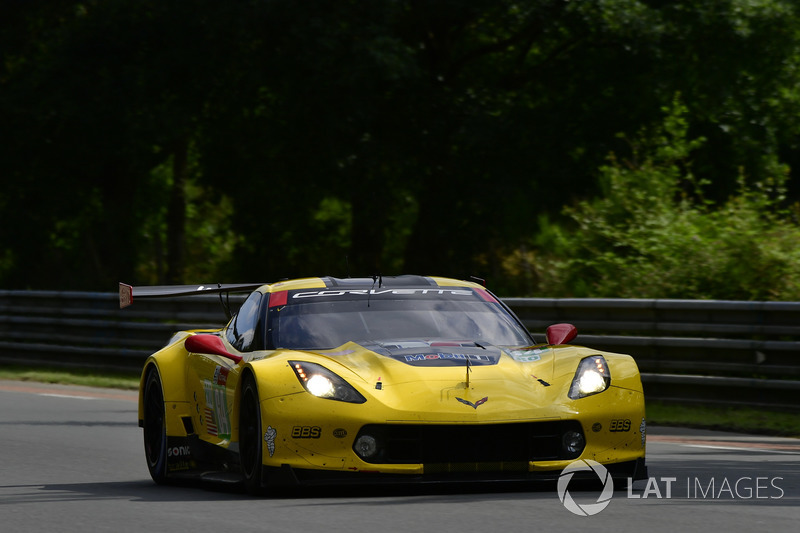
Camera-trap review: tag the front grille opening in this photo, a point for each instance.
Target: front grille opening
(506, 445)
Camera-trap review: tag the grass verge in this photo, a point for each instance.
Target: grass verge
(76, 376)
(744, 419)
(738, 419)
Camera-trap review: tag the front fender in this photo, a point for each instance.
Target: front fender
(170, 363)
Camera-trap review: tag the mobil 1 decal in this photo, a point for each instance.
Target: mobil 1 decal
(434, 353)
(216, 410)
(447, 358)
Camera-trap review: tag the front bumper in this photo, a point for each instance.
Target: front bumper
(303, 442)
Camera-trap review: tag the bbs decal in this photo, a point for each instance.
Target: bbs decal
(620, 425)
(306, 432)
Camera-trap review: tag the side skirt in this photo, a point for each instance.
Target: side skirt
(189, 457)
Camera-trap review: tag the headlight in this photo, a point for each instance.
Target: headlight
(323, 383)
(591, 377)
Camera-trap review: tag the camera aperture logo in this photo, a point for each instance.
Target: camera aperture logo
(587, 509)
(743, 488)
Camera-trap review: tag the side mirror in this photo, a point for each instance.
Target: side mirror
(561, 334)
(209, 345)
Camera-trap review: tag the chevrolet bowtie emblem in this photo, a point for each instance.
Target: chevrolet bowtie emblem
(473, 405)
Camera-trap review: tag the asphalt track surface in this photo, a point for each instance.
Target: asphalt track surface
(72, 461)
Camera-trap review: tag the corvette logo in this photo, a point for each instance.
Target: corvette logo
(473, 405)
(373, 292)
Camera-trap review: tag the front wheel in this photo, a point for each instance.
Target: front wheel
(250, 445)
(155, 427)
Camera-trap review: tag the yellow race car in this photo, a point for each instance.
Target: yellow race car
(406, 378)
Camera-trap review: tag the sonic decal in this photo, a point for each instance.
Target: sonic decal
(473, 405)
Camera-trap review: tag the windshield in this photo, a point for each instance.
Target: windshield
(328, 323)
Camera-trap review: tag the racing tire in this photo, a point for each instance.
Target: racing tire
(155, 427)
(250, 443)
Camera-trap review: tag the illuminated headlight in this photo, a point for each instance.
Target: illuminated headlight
(323, 383)
(591, 377)
(321, 386)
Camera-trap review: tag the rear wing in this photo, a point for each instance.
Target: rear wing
(128, 292)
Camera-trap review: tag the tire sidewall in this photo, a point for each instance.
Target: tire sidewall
(253, 474)
(157, 467)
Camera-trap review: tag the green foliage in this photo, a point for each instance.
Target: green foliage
(210, 239)
(426, 137)
(653, 234)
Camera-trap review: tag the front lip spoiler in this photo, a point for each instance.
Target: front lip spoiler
(285, 475)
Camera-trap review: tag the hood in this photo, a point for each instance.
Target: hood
(451, 377)
(403, 361)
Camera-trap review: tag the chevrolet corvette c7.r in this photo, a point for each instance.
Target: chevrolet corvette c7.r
(406, 378)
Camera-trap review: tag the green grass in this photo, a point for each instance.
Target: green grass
(745, 420)
(738, 419)
(65, 376)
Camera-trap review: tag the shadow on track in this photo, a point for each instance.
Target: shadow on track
(147, 491)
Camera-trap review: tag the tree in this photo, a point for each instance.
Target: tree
(654, 234)
(100, 97)
(355, 137)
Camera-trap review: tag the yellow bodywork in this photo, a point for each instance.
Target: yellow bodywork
(307, 432)
(413, 395)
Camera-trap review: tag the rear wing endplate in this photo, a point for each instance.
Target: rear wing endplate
(128, 292)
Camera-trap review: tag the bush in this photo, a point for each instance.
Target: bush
(653, 234)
